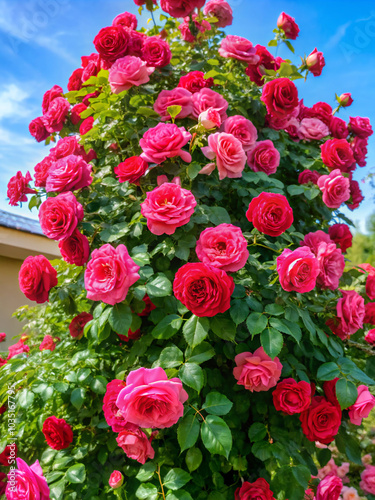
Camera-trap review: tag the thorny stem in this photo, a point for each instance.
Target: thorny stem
(197, 411)
(161, 482)
(363, 348)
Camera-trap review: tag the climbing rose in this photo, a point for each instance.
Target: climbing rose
(221, 10)
(315, 62)
(58, 433)
(359, 148)
(36, 278)
(360, 127)
(56, 115)
(270, 213)
(367, 483)
(242, 129)
(127, 72)
(135, 443)
(362, 407)
(86, 125)
(112, 413)
(38, 130)
(335, 188)
(263, 157)
(176, 97)
(18, 188)
(31, 484)
(329, 488)
(195, 81)
(49, 96)
(338, 128)
(346, 99)
(370, 337)
(298, 270)
(228, 152)
(156, 52)
(126, 19)
(280, 97)
(68, 174)
(75, 249)
(112, 43)
(337, 153)
(180, 8)
(237, 47)
(257, 371)
(210, 119)
(131, 170)
(166, 140)
(307, 176)
(291, 396)
(350, 311)
(332, 264)
(321, 421)
(18, 348)
(355, 194)
(78, 323)
(59, 216)
(288, 25)
(341, 235)
(207, 98)
(258, 490)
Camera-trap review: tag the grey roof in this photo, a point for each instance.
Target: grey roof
(21, 223)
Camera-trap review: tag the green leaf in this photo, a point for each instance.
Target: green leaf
(147, 491)
(302, 475)
(217, 404)
(188, 431)
(272, 341)
(328, 371)
(272, 43)
(216, 436)
(203, 352)
(159, 287)
(174, 111)
(170, 357)
(224, 328)
(239, 311)
(256, 323)
(191, 374)
(145, 111)
(324, 456)
(77, 397)
(120, 318)
(346, 393)
(195, 330)
(262, 450)
(146, 472)
(289, 45)
(193, 458)
(167, 327)
(295, 190)
(257, 432)
(99, 385)
(25, 398)
(193, 169)
(274, 309)
(178, 495)
(57, 489)
(288, 327)
(76, 473)
(176, 479)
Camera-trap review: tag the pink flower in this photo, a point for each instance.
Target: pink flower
(257, 371)
(68, 174)
(112, 413)
(338, 128)
(221, 10)
(59, 216)
(337, 153)
(75, 249)
(49, 96)
(368, 480)
(298, 270)
(370, 284)
(126, 19)
(116, 479)
(186, 33)
(176, 97)
(2, 337)
(330, 469)
(315, 62)
(362, 407)
(195, 81)
(341, 235)
(127, 72)
(332, 264)
(345, 99)
(135, 443)
(239, 48)
(224, 247)
(370, 337)
(180, 8)
(207, 98)
(18, 348)
(359, 148)
(242, 129)
(18, 188)
(110, 273)
(150, 400)
(30, 483)
(167, 207)
(335, 188)
(75, 113)
(229, 154)
(38, 130)
(263, 157)
(56, 115)
(313, 240)
(288, 25)
(307, 176)
(166, 140)
(36, 278)
(156, 52)
(329, 488)
(210, 119)
(355, 194)
(312, 129)
(360, 126)
(48, 343)
(349, 494)
(86, 125)
(350, 311)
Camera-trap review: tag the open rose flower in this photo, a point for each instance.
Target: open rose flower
(321, 421)
(30, 483)
(307, 176)
(258, 490)
(331, 263)
(78, 323)
(38, 130)
(68, 174)
(150, 400)
(18, 188)
(131, 170)
(126, 19)
(367, 483)
(369, 313)
(110, 273)
(350, 311)
(75, 80)
(280, 97)
(242, 129)
(49, 96)
(313, 240)
(312, 129)
(135, 443)
(180, 8)
(176, 97)
(362, 407)
(370, 337)
(195, 81)
(237, 47)
(60, 216)
(205, 290)
(355, 195)
(335, 188)
(19, 348)
(329, 488)
(56, 115)
(58, 433)
(298, 270)
(221, 10)
(112, 42)
(270, 213)
(257, 371)
(338, 128)
(156, 52)
(315, 62)
(166, 140)
(359, 148)
(337, 153)
(224, 247)
(288, 25)
(207, 98)
(228, 152)
(360, 126)
(36, 278)
(341, 235)
(75, 249)
(112, 413)
(127, 72)
(263, 157)
(291, 396)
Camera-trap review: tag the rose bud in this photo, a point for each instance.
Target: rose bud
(315, 62)
(116, 479)
(345, 99)
(210, 118)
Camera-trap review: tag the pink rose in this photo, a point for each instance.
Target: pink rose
(131, 170)
(86, 125)
(207, 98)
(335, 188)
(186, 33)
(110, 273)
(362, 407)
(257, 371)
(228, 152)
(18, 348)
(360, 127)
(59, 216)
(341, 235)
(18, 188)
(223, 246)
(329, 488)
(288, 25)
(337, 153)
(48, 343)
(332, 264)
(30, 483)
(112, 413)
(242, 129)
(338, 128)
(49, 96)
(298, 270)
(38, 130)
(126, 19)
(167, 207)
(75, 80)
(2, 337)
(312, 129)
(116, 479)
(368, 480)
(135, 443)
(75, 249)
(210, 119)
(195, 81)
(307, 176)
(166, 140)
(75, 113)
(239, 48)
(176, 97)
(128, 71)
(315, 62)
(349, 493)
(263, 157)
(36, 278)
(68, 174)
(369, 313)
(370, 337)
(156, 52)
(56, 115)
(355, 195)
(221, 10)
(66, 146)
(350, 311)
(313, 240)
(345, 99)
(359, 148)
(150, 400)
(180, 8)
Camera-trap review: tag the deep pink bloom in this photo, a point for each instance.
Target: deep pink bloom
(56, 115)
(180, 8)
(258, 490)
(355, 195)
(126, 19)
(58, 433)
(242, 129)
(48, 343)
(359, 148)
(367, 483)
(38, 130)
(176, 97)
(49, 96)
(36, 278)
(337, 153)
(112, 413)
(332, 264)
(207, 98)
(135, 443)
(313, 240)
(346, 99)
(263, 157)
(307, 176)
(18, 188)
(195, 81)
(166, 140)
(68, 174)
(298, 270)
(280, 97)
(335, 188)
(127, 72)
(116, 479)
(288, 25)
(75, 249)
(341, 235)
(350, 311)
(329, 488)
(75, 80)
(86, 125)
(112, 42)
(228, 152)
(338, 127)
(30, 483)
(131, 170)
(361, 408)
(59, 216)
(156, 52)
(257, 371)
(186, 33)
(237, 47)
(360, 126)
(312, 129)
(221, 10)
(78, 323)
(315, 62)
(19, 348)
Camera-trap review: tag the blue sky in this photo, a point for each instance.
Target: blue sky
(41, 42)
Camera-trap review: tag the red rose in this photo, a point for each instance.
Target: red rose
(16, 349)
(321, 110)
(195, 81)
(58, 433)
(337, 153)
(315, 62)
(180, 8)
(78, 323)
(55, 117)
(60, 215)
(156, 52)
(341, 235)
(111, 411)
(288, 25)
(359, 148)
(8, 455)
(112, 42)
(125, 19)
(308, 176)
(329, 389)
(41, 171)
(49, 96)
(87, 99)
(355, 194)
(38, 130)
(350, 311)
(321, 421)
(130, 336)
(75, 80)
(291, 396)
(149, 306)
(280, 97)
(86, 125)
(75, 113)
(369, 313)
(36, 278)
(270, 213)
(203, 289)
(49, 343)
(75, 249)
(338, 128)
(18, 188)
(258, 490)
(131, 170)
(360, 127)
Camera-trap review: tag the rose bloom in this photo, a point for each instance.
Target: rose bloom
(349, 493)
(126, 19)
(131, 170)
(110, 273)
(341, 235)
(224, 247)
(86, 125)
(367, 483)
(329, 488)
(321, 110)
(30, 483)
(313, 240)
(66, 146)
(355, 194)
(263, 157)
(75, 249)
(370, 337)
(150, 400)
(203, 289)
(242, 129)
(75, 113)
(148, 306)
(156, 52)
(56, 115)
(332, 264)
(315, 62)
(270, 213)
(370, 285)
(350, 311)
(68, 174)
(48, 343)
(338, 128)
(167, 207)
(210, 119)
(255, 72)
(112, 43)
(18, 348)
(58, 433)
(291, 396)
(135, 443)
(321, 421)
(288, 25)
(176, 97)
(78, 323)
(49, 96)
(112, 413)
(59, 216)
(207, 98)
(360, 127)
(258, 490)
(330, 469)
(257, 371)
(359, 148)
(369, 313)
(166, 140)
(75, 80)
(307, 176)
(237, 47)
(36, 278)
(116, 479)
(280, 97)
(298, 270)
(8, 454)
(221, 10)
(229, 154)
(195, 81)
(2, 337)
(186, 33)
(335, 188)
(362, 407)
(18, 188)
(180, 8)
(337, 153)
(312, 129)
(130, 336)
(128, 71)
(41, 171)
(38, 130)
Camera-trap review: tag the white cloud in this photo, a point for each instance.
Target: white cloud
(12, 99)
